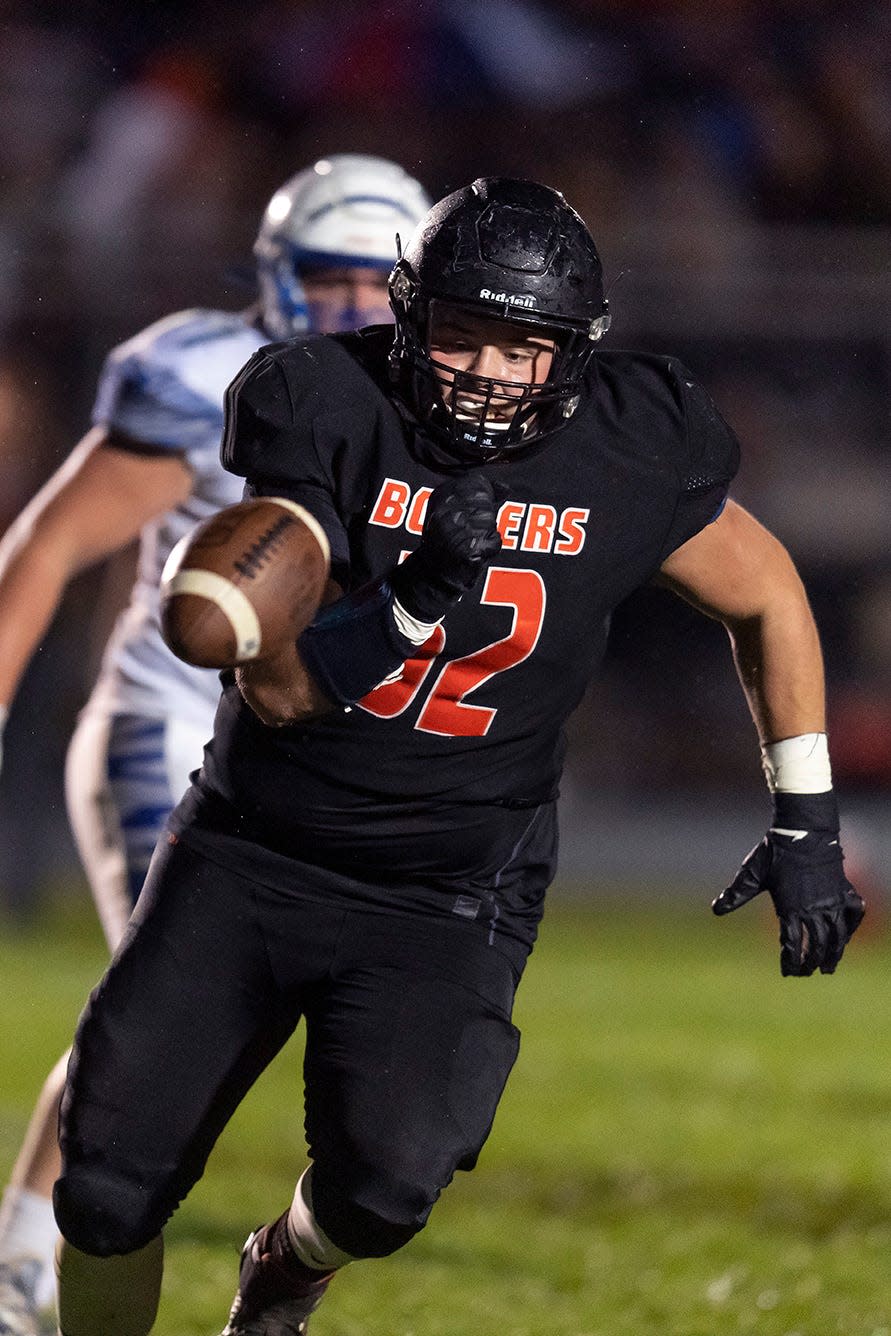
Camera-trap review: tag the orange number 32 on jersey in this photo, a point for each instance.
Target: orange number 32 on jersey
(445, 710)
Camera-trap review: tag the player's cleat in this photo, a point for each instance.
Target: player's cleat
(276, 1292)
(19, 1314)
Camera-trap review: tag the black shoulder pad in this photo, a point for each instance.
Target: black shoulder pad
(707, 466)
(273, 402)
(713, 447)
(256, 408)
(291, 404)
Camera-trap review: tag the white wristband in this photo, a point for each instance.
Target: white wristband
(797, 765)
(408, 626)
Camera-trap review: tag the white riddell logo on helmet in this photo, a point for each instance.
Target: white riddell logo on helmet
(512, 298)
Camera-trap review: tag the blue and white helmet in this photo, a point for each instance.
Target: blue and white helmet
(343, 211)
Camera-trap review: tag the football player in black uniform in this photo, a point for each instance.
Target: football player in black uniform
(369, 841)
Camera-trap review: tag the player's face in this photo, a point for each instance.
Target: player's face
(346, 298)
(508, 354)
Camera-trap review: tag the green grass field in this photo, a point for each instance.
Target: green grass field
(689, 1145)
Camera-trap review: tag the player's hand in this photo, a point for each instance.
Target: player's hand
(459, 539)
(801, 866)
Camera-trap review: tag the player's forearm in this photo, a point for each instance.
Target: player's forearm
(737, 572)
(780, 666)
(33, 578)
(280, 691)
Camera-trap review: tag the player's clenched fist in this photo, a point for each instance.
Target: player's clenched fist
(459, 539)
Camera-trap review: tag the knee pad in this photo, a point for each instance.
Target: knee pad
(103, 1214)
(371, 1218)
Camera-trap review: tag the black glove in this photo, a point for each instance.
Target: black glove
(458, 541)
(800, 863)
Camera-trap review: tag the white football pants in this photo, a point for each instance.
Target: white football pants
(123, 776)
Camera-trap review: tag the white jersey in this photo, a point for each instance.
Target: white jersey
(166, 387)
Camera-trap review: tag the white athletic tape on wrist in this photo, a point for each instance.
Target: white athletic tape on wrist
(798, 765)
(232, 603)
(408, 626)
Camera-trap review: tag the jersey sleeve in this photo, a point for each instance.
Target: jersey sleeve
(162, 390)
(145, 399)
(268, 440)
(707, 467)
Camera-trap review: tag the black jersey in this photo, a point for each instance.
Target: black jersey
(477, 717)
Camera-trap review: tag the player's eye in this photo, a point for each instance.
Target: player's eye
(448, 345)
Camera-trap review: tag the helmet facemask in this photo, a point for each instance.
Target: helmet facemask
(478, 415)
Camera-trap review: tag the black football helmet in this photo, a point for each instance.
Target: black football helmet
(516, 251)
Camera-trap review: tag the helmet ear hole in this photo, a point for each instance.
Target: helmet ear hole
(400, 285)
(601, 324)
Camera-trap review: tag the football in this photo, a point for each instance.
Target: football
(242, 582)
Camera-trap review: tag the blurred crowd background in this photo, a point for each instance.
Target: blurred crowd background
(734, 164)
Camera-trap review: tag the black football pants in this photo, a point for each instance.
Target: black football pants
(408, 1045)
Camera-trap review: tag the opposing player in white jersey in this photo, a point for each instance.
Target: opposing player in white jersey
(149, 467)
